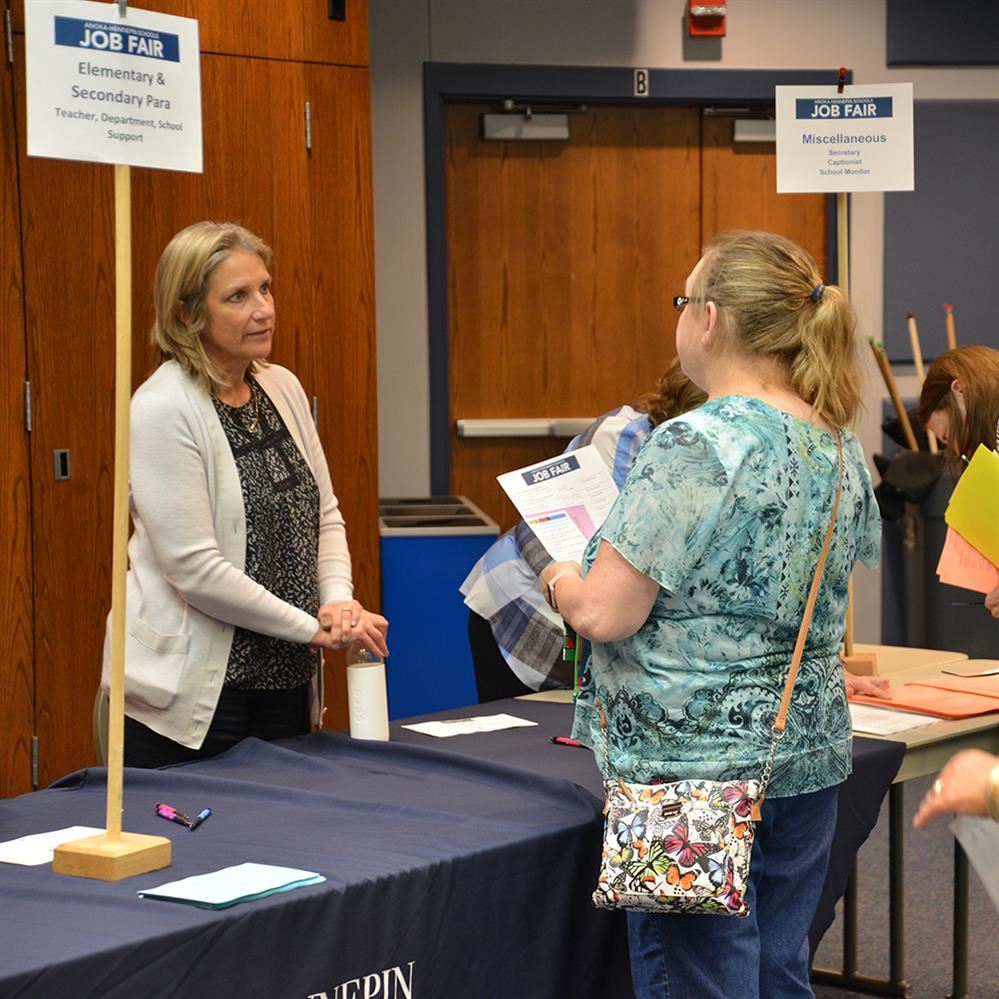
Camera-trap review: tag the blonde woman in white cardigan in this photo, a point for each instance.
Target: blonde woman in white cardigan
(239, 566)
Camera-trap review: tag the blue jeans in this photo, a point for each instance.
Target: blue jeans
(763, 955)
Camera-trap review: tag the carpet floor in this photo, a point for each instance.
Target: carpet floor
(929, 892)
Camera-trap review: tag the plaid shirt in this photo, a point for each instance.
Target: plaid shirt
(503, 586)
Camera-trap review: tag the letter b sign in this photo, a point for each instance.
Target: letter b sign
(641, 83)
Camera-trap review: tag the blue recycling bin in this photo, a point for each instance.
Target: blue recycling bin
(428, 545)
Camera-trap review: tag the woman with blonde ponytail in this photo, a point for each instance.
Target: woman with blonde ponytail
(693, 590)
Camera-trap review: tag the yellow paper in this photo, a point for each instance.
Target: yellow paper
(974, 507)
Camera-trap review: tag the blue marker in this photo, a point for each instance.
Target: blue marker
(199, 818)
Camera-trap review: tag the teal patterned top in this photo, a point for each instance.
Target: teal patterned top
(727, 508)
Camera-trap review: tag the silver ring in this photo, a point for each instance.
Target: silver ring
(937, 786)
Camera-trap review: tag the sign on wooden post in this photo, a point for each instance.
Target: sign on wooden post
(857, 140)
(106, 85)
(108, 89)
(838, 139)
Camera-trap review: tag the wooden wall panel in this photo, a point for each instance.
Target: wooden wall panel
(291, 29)
(315, 211)
(16, 669)
(562, 260)
(342, 334)
(255, 174)
(67, 236)
(563, 257)
(740, 192)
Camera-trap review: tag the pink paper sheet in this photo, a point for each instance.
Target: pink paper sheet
(961, 564)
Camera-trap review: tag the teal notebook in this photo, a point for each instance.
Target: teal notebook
(231, 885)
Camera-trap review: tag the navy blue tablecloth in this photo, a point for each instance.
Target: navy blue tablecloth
(455, 867)
(446, 877)
(875, 764)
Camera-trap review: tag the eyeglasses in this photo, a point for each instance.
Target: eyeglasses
(680, 302)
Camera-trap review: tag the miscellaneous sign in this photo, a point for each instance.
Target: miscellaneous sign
(856, 140)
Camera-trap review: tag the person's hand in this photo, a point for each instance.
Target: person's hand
(960, 787)
(553, 571)
(992, 603)
(347, 621)
(870, 686)
(338, 621)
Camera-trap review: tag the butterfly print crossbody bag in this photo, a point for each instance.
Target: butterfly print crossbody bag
(685, 846)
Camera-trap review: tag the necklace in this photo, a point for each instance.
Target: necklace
(227, 411)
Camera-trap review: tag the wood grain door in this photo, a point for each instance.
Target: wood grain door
(563, 257)
(562, 260)
(16, 672)
(67, 241)
(259, 172)
(314, 207)
(255, 173)
(740, 192)
(341, 277)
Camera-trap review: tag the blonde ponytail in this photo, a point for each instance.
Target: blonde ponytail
(824, 371)
(771, 298)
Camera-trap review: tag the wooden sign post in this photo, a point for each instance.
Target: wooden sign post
(114, 854)
(155, 61)
(860, 663)
(833, 141)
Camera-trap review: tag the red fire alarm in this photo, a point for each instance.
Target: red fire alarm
(706, 20)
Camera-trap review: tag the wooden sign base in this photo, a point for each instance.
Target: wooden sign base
(111, 858)
(861, 663)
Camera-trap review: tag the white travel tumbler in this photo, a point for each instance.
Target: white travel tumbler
(367, 700)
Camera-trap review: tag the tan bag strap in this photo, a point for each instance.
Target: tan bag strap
(813, 594)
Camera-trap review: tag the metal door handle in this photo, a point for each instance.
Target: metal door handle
(544, 426)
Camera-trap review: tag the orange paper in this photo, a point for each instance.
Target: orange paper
(982, 686)
(964, 565)
(928, 700)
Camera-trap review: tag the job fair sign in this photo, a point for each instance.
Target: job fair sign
(112, 89)
(858, 140)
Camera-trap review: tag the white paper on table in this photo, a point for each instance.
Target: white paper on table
(886, 720)
(979, 838)
(225, 887)
(563, 500)
(37, 848)
(469, 726)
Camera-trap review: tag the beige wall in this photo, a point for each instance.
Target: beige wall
(774, 34)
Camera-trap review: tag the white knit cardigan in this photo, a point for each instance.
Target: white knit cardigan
(186, 589)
